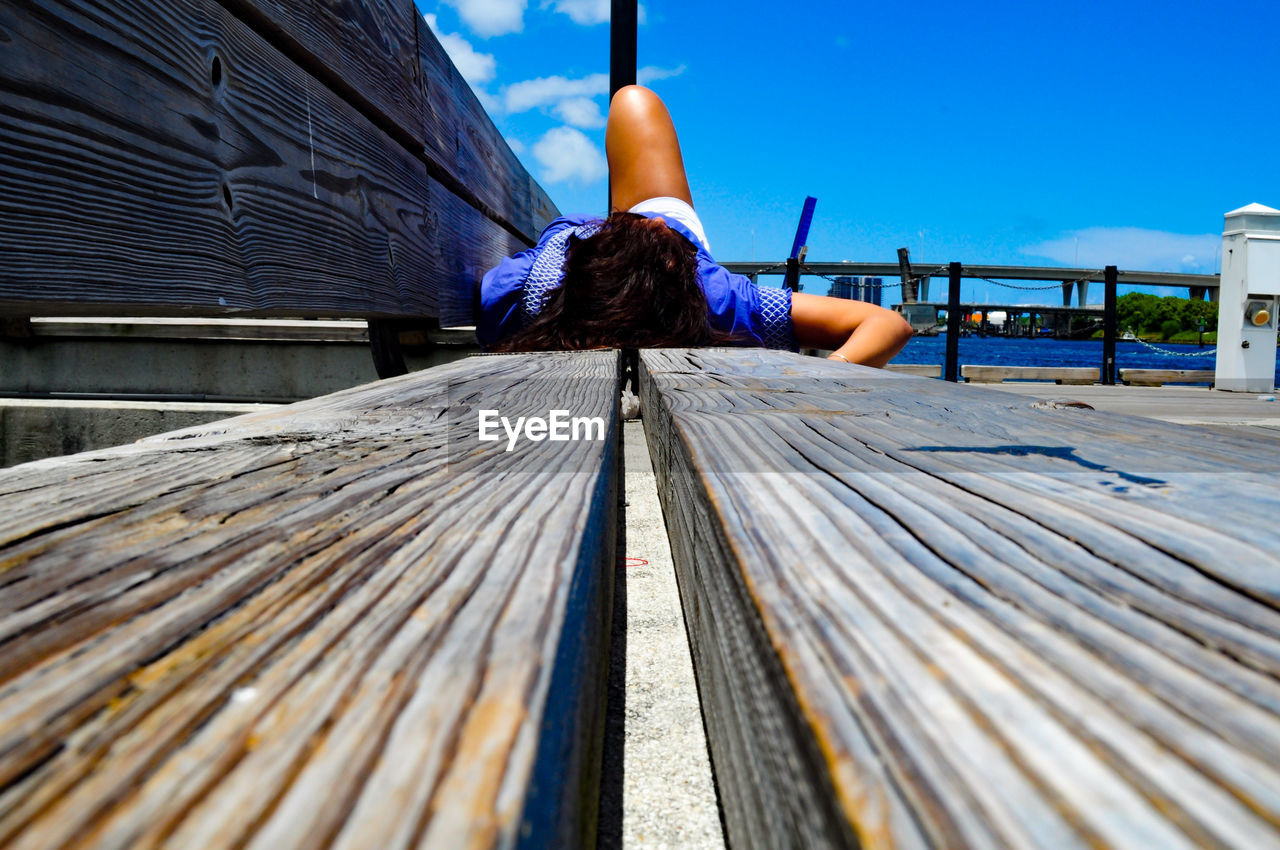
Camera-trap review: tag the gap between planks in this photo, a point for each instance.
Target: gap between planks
(658, 789)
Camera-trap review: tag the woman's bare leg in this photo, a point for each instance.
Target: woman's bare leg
(644, 153)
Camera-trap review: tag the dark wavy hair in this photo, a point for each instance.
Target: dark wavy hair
(632, 284)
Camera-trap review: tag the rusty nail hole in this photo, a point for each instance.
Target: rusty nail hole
(216, 72)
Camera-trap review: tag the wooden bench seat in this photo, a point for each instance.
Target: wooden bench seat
(930, 616)
(924, 370)
(1057, 374)
(345, 623)
(1160, 377)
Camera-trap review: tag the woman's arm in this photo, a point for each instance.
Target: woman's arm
(857, 331)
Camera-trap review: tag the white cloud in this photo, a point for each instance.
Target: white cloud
(580, 112)
(517, 146)
(652, 73)
(1133, 248)
(590, 12)
(585, 11)
(555, 91)
(547, 91)
(566, 154)
(476, 68)
(491, 17)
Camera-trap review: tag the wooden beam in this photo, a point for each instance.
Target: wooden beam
(165, 159)
(926, 614)
(1160, 377)
(1056, 374)
(462, 138)
(347, 623)
(367, 52)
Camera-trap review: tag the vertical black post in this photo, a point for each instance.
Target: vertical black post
(952, 370)
(622, 54)
(1109, 327)
(904, 272)
(622, 45)
(792, 280)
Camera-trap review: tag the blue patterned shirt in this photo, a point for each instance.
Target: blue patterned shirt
(514, 291)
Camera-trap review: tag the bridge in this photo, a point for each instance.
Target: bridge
(1199, 285)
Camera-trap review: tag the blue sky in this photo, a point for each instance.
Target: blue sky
(1008, 133)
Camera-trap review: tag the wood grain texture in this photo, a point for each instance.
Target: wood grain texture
(932, 615)
(1057, 374)
(162, 157)
(370, 51)
(346, 623)
(923, 370)
(462, 138)
(368, 48)
(1160, 377)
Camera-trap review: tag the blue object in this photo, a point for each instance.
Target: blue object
(755, 315)
(802, 232)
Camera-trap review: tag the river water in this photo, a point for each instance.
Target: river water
(1022, 351)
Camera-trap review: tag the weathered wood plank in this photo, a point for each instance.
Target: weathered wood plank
(372, 48)
(1057, 374)
(933, 615)
(347, 623)
(163, 158)
(923, 370)
(1160, 377)
(462, 138)
(369, 49)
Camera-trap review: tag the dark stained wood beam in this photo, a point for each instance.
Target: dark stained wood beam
(166, 158)
(345, 623)
(930, 615)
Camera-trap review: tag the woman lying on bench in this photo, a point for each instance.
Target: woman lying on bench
(644, 277)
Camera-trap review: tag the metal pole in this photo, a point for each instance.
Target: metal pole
(622, 45)
(1109, 327)
(792, 280)
(952, 370)
(904, 272)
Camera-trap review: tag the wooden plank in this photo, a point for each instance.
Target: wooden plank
(275, 330)
(370, 52)
(347, 623)
(1160, 377)
(367, 51)
(923, 370)
(161, 157)
(1057, 374)
(932, 615)
(463, 140)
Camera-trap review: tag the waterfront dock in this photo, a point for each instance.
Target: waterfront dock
(919, 614)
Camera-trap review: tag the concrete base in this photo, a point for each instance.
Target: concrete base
(172, 360)
(34, 429)
(1245, 385)
(90, 383)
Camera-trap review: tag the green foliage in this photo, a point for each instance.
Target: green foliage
(1167, 316)
(1210, 337)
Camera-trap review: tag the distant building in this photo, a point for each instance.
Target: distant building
(866, 289)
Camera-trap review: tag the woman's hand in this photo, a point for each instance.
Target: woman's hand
(856, 331)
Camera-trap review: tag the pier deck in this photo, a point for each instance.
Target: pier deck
(1203, 406)
(930, 615)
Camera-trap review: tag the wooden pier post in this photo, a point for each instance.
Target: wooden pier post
(952, 369)
(1109, 328)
